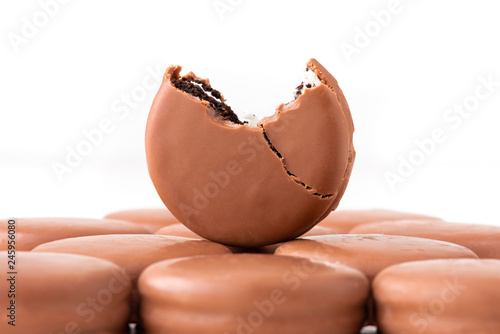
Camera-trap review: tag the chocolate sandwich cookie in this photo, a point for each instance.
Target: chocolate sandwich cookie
(31, 232)
(344, 220)
(251, 293)
(150, 219)
(133, 252)
(246, 184)
(63, 293)
(371, 253)
(439, 297)
(484, 240)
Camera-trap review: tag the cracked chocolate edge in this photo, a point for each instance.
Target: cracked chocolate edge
(294, 177)
(352, 153)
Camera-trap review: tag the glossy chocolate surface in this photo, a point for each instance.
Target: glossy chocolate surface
(484, 240)
(249, 186)
(439, 297)
(65, 293)
(261, 294)
(371, 253)
(31, 232)
(344, 220)
(150, 219)
(133, 252)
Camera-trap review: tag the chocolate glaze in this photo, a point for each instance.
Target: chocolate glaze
(178, 230)
(344, 220)
(319, 230)
(252, 293)
(150, 219)
(231, 183)
(182, 231)
(31, 232)
(371, 253)
(484, 240)
(133, 252)
(439, 297)
(321, 110)
(53, 292)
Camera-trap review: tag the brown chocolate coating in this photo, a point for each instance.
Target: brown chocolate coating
(252, 293)
(150, 219)
(64, 293)
(318, 230)
(31, 232)
(231, 183)
(370, 253)
(178, 230)
(182, 231)
(344, 220)
(439, 297)
(484, 240)
(133, 252)
(270, 249)
(321, 112)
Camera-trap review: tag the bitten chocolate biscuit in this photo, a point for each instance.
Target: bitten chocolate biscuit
(246, 185)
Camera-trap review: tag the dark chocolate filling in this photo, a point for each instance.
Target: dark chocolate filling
(221, 109)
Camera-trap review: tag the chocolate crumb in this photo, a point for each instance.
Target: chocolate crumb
(216, 94)
(298, 90)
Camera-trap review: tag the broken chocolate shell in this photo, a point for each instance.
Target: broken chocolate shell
(249, 186)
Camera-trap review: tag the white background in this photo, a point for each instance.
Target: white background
(77, 67)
